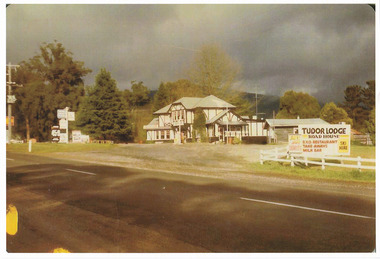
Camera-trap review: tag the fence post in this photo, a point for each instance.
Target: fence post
(261, 157)
(323, 163)
(292, 160)
(306, 163)
(30, 145)
(359, 163)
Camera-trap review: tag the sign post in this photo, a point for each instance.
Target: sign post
(64, 117)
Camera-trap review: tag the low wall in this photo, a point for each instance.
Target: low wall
(255, 140)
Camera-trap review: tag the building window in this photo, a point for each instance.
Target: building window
(168, 134)
(162, 134)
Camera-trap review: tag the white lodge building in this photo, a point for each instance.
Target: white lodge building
(175, 122)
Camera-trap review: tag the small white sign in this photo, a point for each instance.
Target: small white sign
(62, 124)
(55, 133)
(61, 114)
(178, 123)
(76, 135)
(63, 138)
(11, 99)
(71, 116)
(85, 138)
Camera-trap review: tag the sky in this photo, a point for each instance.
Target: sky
(318, 49)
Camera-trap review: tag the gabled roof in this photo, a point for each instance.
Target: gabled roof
(212, 101)
(293, 122)
(189, 102)
(217, 117)
(163, 110)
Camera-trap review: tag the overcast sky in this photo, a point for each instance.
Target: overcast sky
(318, 49)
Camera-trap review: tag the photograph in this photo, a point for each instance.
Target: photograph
(182, 128)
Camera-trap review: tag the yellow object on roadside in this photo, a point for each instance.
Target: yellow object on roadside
(60, 250)
(12, 220)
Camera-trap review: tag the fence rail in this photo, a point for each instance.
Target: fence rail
(282, 155)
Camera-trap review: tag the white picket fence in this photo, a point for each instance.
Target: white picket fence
(282, 155)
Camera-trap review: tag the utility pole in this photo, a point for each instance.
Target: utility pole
(257, 118)
(227, 132)
(10, 99)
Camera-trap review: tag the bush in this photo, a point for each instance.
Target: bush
(236, 141)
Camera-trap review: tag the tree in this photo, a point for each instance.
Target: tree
(333, 114)
(214, 71)
(359, 102)
(369, 95)
(294, 104)
(169, 92)
(371, 126)
(139, 96)
(103, 114)
(52, 80)
(199, 125)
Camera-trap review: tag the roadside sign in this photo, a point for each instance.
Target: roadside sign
(11, 99)
(62, 124)
(71, 116)
(61, 114)
(325, 139)
(295, 143)
(62, 138)
(178, 123)
(76, 135)
(55, 133)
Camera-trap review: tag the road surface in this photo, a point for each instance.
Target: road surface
(85, 207)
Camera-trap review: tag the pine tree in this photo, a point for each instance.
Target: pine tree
(103, 114)
(354, 106)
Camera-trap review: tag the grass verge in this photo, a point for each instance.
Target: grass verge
(315, 172)
(341, 174)
(39, 148)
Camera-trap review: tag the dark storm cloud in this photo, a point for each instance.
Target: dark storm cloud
(319, 49)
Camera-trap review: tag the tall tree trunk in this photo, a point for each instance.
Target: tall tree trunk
(27, 130)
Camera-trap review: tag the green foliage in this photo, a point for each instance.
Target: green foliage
(48, 148)
(371, 125)
(294, 104)
(331, 173)
(139, 95)
(51, 81)
(333, 114)
(103, 113)
(359, 101)
(243, 106)
(236, 141)
(141, 116)
(199, 125)
(214, 71)
(171, 91)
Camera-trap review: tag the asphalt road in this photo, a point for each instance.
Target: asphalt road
(94, 208)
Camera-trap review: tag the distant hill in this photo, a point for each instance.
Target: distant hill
(266, 104)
